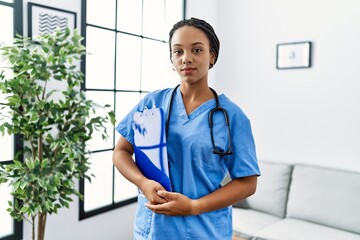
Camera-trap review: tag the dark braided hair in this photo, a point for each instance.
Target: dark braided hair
(203, 26)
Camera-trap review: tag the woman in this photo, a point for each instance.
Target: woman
(198, 206)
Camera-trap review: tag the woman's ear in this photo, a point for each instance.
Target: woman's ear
(212, 57)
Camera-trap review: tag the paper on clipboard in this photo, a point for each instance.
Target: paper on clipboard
(150, 145)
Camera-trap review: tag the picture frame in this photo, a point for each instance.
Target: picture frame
(293, 55)
(45, 20)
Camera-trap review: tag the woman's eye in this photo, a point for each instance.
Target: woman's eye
(197, 50)
(177, 52)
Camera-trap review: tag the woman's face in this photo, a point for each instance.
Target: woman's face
(191, 54)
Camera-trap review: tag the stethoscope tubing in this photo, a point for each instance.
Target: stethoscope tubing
(217, 108)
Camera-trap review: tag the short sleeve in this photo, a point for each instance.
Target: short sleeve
(243, 162)
(125, 125)
(125, 128)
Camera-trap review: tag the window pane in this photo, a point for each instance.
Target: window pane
(7, 147)
(100, 58)
(153, 19)
(6, 226)
(101, 13)
(155, 65)
(128, 62)
(123, 188)
(98, 193)
(7, 24)
(101, 98)
(173, 14)
(6, 141)
(129, 16)
(125, 101)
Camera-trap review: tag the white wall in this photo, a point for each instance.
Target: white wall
(113, 225)
(305, 115)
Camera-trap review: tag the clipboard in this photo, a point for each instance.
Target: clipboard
(150, 145)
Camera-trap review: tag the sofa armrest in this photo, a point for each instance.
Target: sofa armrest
(272, 189)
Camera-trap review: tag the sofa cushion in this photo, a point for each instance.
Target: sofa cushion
(325, 196)
(247, 222)
(294, 229)
(272, 189)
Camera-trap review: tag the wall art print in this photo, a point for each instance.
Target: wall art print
(44, 20)
(293, 55)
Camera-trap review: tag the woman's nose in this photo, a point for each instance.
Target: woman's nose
(187, 59)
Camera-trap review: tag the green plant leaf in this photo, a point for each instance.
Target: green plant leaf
(23, 184)
(44, 163)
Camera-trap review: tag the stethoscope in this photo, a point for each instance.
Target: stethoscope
(217, 108)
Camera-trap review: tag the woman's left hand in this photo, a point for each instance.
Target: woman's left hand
(176, 204)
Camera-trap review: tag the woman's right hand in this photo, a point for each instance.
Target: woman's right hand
(150, 188)
(123, 161)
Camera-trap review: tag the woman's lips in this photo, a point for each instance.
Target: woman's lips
(187, 70)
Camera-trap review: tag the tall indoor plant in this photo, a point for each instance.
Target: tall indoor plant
(55, 124)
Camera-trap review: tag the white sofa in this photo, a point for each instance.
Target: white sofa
(300, 202)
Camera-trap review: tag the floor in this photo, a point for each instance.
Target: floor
(238, 238)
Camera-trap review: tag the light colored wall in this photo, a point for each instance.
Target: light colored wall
(113, 225)
(305, 115)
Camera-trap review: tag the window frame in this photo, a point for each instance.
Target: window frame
(82, 213)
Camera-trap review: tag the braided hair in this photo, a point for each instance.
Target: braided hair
(203, 26)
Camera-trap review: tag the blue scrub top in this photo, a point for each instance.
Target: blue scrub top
(194, 170)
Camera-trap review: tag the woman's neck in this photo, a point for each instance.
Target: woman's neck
(194, 95)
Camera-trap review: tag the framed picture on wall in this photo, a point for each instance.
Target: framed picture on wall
(293, 55)
(44, 20)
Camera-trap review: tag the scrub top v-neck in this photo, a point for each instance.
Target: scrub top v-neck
(194, 170)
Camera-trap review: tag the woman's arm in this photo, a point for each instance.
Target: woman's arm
(178, 204)
(123, 161)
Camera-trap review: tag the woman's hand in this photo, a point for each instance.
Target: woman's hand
(150, 189)
(180, 205)
(176, 204)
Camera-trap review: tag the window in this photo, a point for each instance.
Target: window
(11, 22)
(126, 40)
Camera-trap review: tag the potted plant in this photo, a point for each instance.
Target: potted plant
(54, 124)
